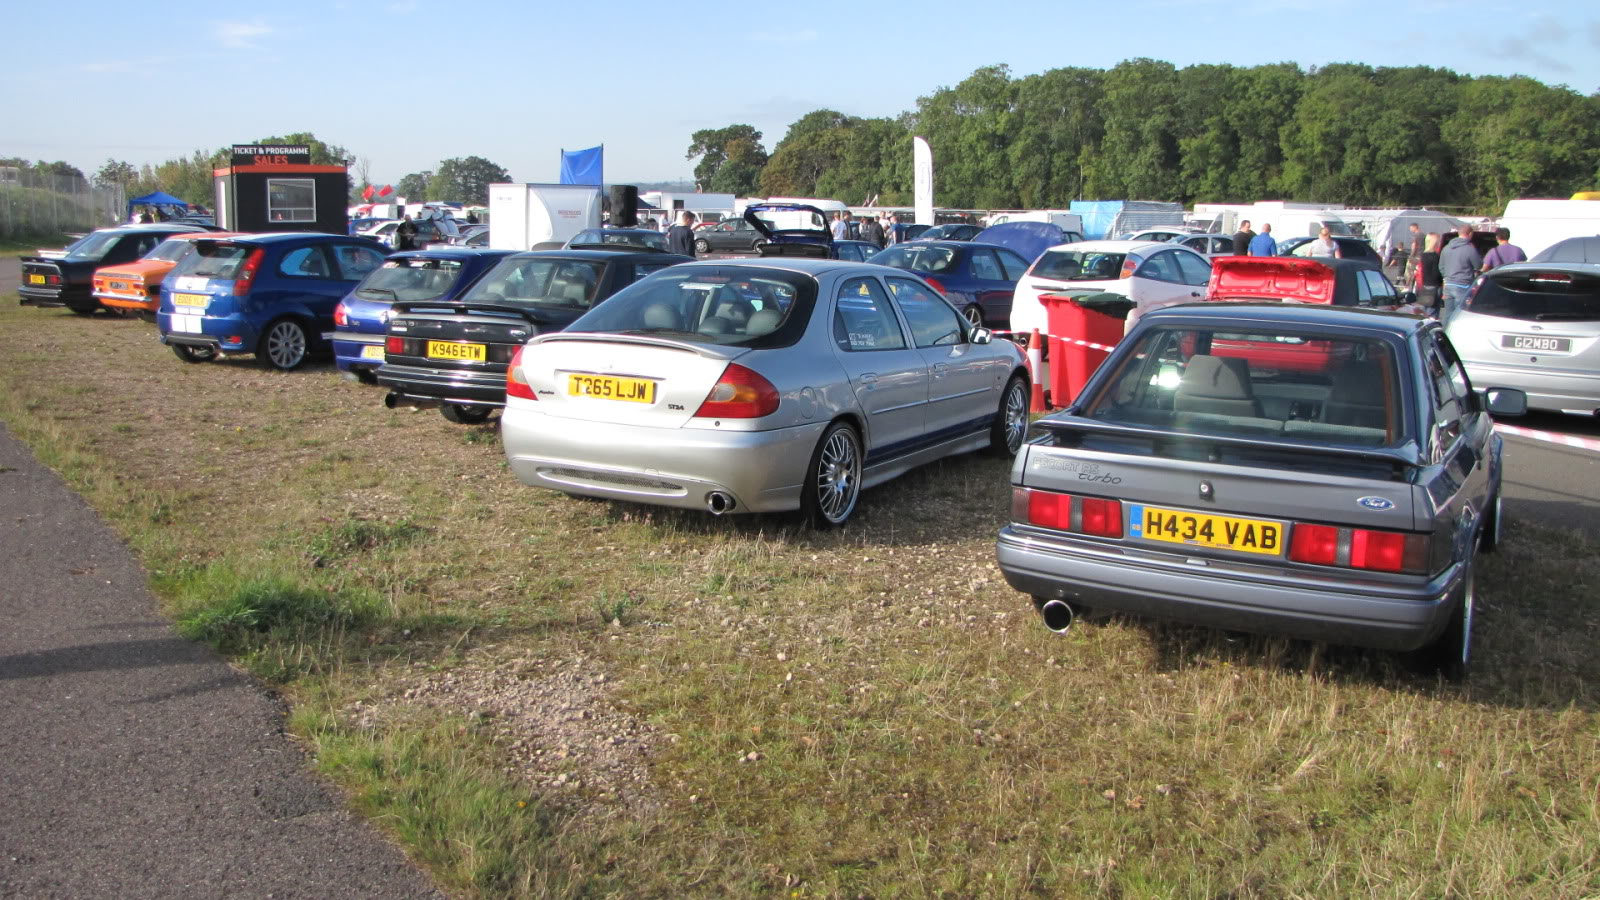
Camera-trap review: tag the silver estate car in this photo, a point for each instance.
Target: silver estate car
(1315, 472)
(1535, 326)
(760, 386)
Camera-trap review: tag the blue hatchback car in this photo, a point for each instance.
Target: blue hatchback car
(978, 279)
(268, 294)
(361, 320)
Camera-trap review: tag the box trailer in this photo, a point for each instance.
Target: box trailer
(1536, 224)
(525, 216)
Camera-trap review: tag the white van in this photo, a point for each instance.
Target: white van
(1536, 224)
(1066, 221)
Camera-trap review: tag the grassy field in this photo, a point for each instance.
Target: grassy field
(28, 244)
(543, 696)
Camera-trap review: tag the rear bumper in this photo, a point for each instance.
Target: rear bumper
(1390, 615)
(1557, 391)
(121, 302)
(226, 334)
(70, 296)
(349, 349)
(470, 388)
(761, 470)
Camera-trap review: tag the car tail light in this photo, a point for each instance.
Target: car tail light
(52, 279)
(1359, 548)
(395, 345)
(340, 317)
(247, 273)
(1129, 265)
(1067, 512)
(516, 382)
(739, 394)
(936, 284)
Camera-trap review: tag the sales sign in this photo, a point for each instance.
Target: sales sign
(271, 154)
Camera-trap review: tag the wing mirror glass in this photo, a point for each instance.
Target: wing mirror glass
(981, 336)
(1506, 402)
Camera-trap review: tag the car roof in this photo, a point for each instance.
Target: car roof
(450, 253)
(600, 255)
(1274, 313)
(1116, 246)
(802, 265)
(1575, 268)
(280, 237)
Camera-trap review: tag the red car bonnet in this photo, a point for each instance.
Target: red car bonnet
(1270, 278)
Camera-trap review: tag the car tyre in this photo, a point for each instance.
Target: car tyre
(756, 247)
(833, 479)
(1489, 533)
(465, 415)
(80, 311)
(1010, 426)
(1450, 654)
(702, 246)
(974, 315)
(194, 354)
(284, 346)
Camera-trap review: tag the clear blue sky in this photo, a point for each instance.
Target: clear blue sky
(146, 82)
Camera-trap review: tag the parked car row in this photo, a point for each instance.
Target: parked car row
(1174, 486)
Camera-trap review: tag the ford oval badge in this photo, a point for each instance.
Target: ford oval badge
(1376, 503)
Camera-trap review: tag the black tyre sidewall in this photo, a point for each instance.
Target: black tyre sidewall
(465, 415)
(810, 506)
(264, 356)
(997, 432)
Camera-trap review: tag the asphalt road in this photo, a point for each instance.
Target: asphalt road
(134, 763)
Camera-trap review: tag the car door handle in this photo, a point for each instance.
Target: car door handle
(940, 369)
(1194, 293)
(869, 378)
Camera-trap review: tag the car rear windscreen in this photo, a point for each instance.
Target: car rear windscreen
(1538, 296)
(169, 251)
(921, 259)
(210, 260)
(1272, 386)
(539, 281)
(410, 279)
(743, 306)
(1080, 265)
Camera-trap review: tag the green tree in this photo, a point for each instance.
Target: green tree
(1058, 130)
(465, 179)
(1139, 153)
(58, 168)
(971, 128)
(116, 172)
(414, 187)
(1517, 137)
(717, 147)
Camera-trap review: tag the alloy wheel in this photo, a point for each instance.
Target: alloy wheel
(838, 476)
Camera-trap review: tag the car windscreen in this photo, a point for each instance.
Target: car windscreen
(740, 306)
(170, 251)
(602, 237)
(412, 278)
(918, 258)
(1538, 296)
(1080, 265)
(211, 260)
(539, 281)
(93, 246)
(1272, 385)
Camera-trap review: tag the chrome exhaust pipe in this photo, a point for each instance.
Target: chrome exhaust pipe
(1057, 616)
(718, 503)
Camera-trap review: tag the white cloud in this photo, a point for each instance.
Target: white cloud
(240, 35)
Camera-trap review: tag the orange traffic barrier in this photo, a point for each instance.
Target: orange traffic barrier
(1036, 371)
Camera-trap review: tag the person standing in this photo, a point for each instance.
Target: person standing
(841, 231)
(405, 234)
(1242, 239)
(1459, 263)
(1324, 245)
(872, 232)
(680, 237)
(1505, 252)
(890, 236)
(1425, 277)
(1263, 244)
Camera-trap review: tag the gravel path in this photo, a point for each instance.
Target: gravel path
(134, 763)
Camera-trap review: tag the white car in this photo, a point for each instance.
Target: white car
(1152, 274)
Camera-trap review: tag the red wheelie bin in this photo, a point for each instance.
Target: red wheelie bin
(1092, 318)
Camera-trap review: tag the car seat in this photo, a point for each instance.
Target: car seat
(313, 265)
(1357, 397)
(763, 321)
(1219, 385)
(737, 311)
(662, 316)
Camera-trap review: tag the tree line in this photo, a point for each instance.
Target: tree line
(1147, 130)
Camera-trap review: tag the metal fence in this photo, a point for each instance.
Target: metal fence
(38, 203)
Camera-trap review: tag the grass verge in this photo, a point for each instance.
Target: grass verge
(866, 713)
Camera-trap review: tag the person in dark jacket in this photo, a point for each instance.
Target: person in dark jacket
(871, 231)
(1459, 263)
(680, 237)
(405, 234)
(1426, 279)
(1242, 239)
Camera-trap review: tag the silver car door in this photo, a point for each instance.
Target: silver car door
(961, 375)
(888, 376)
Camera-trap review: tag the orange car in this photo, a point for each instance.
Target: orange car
(137, 285)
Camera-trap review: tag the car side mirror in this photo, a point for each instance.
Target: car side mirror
(1506, 402)
(980, 336)
(1408, 298)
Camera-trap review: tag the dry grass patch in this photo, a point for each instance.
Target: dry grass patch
(871, 712)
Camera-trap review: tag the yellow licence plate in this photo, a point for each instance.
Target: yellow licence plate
(36, 279)
(1177, 526)
(448, 350)
(607, 387)
(372, 351)
(191, 299)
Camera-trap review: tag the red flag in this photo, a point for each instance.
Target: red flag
(387, 190)
(366, 193)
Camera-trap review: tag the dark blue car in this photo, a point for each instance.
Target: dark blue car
(268, 294)
(977, 279)
(361, 320)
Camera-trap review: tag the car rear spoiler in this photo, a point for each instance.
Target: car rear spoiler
(447, 308)
(1406, 455)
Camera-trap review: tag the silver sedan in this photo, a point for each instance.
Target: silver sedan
(760, 386)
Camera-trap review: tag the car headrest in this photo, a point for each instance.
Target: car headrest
(1217, 377)
(763, 322)
(661, 315)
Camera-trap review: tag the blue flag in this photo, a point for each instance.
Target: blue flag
(583, 166)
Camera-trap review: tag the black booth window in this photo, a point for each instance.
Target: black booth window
(291, 200)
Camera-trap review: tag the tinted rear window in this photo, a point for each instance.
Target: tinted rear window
(1277, 385)
(922, 259)
(742, 306)
(1080, 265)
(171, 251)
(213, 261)
(1539, 296)
(411, 279)
(93, 245)
(539, 281)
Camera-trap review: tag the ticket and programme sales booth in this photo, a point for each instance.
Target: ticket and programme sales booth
(269, 187)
